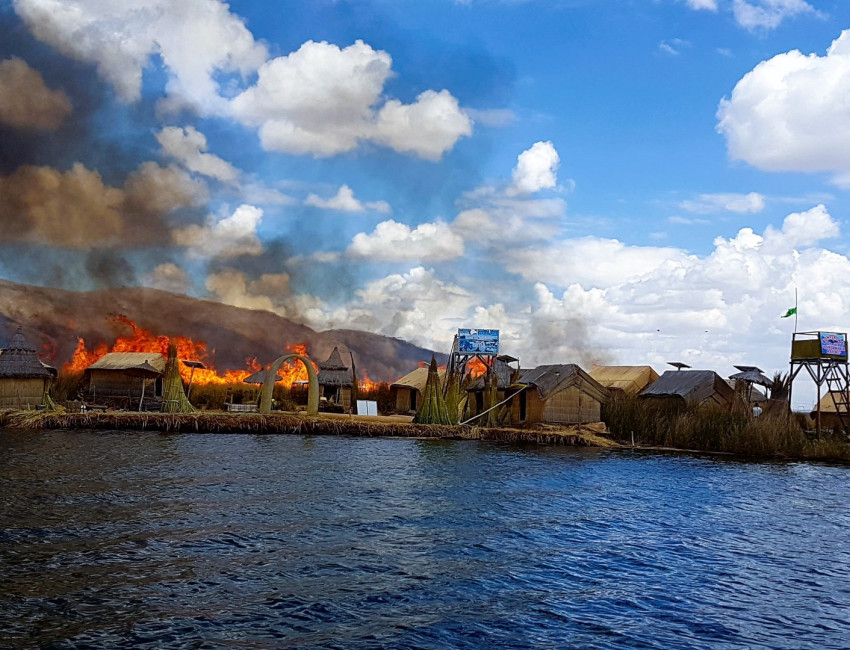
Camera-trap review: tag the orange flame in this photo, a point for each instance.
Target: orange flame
(141, 340)
(476, 367)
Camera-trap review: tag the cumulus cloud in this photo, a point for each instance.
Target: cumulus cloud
(707, 5)
(768, 14)
(77, 209)
(396, 242)
(790, 112)
(344, 201)
(121, 37)
(322, 99)
(497, 219)
(188, 146)
(536, 169)
(712, 203)
(25, 100)
(229, 237)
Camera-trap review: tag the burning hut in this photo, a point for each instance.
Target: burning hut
(562, 393)
(335, 384)
(24, 379)
(692, 387)
(624, 380)
(477, 402)
(121, 378)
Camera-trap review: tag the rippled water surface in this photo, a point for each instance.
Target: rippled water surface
(146, 540)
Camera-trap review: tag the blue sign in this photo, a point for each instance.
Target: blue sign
(833, 345)
(478, 341)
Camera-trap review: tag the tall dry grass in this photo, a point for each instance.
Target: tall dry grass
(716, 429)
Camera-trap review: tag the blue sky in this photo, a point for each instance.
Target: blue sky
(610, 182)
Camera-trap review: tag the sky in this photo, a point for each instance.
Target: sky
(613, 182)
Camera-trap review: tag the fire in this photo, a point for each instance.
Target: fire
(141, 340)
(476, 367)
(367, 384)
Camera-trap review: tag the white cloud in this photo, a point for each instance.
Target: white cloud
(790, 112)
(188, 146)
(324, 100)
(344, 201)
(674, 46)
(121, 36)
(225, 238)
(536, 169)
(712, 203)
(768, 14)
(397, 242)
(25, 100)
(707, 5)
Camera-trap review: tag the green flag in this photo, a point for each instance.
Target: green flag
(790, 312)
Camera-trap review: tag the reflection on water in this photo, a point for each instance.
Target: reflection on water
(147, 540)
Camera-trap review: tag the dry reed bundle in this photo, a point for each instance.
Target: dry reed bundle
(433, 409)
(174, 398)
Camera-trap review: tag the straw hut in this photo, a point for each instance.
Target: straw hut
(114, 378)
(408, 390)
(691, 387)
(561, 393)
(335, 380)
(624, 380)
(829, 406)
(24, 379)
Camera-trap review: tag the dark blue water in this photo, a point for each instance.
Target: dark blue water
(206, 541)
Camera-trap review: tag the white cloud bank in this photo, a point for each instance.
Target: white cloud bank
(397, 242)
(320, 100)
(225, 238)
(790, 113)
(345, 201)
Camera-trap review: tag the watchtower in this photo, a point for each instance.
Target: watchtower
(824, 356)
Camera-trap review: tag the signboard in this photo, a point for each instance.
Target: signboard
(478, 342)
(833, 345)
(367, 407)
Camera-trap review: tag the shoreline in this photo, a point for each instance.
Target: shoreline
(292, 423)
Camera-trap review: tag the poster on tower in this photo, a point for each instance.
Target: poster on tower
(484, 342)
(833, 345)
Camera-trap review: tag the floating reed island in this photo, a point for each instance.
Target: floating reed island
(292, 423)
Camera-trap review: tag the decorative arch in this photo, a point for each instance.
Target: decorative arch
(312, 390)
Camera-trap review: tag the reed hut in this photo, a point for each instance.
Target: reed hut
(114, 378)
(407, 392)
(627, 381)
(335, 384)
(24, 379)
(691, 387)
(477, 400)
(558, 394)
(828, 407)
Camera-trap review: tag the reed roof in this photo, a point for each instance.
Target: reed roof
(550, 379)
(629, 379)
(417, 379)
(693, 386)
(334, 372)
(504, 375)
(123, 361)
(19, 360)
(827, 403)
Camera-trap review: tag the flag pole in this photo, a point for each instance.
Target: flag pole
(795, 310)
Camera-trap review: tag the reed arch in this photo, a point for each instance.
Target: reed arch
(312, 388)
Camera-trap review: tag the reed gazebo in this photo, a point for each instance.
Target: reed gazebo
(24, 379)
(335, 382)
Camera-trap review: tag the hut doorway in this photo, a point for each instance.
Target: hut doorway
(523, 406)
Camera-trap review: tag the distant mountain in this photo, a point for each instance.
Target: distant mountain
(54, 320)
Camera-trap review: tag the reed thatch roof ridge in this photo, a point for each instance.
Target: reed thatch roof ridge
(417, 379)
(20, 360)
(827, 402)
(549, 379)
(504, 374)
(629, 379)
(334, 362)
(691, 385)
(752, 375)
(329, 377)
(125, 360)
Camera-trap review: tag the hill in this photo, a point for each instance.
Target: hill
(55, 319)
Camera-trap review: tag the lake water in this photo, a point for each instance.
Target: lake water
(116, 539)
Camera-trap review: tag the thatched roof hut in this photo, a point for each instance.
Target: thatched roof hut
(627, 380)
(559, 393)
(829, 406)
(335, 383)
(409, 389)
(115, 377)
(24, 379)
(690, 387)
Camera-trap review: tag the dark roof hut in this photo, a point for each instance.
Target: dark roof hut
(116, 378)
(559, 393)
(692, 387)
(24, 379)
(335, 383)
(625, 380)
